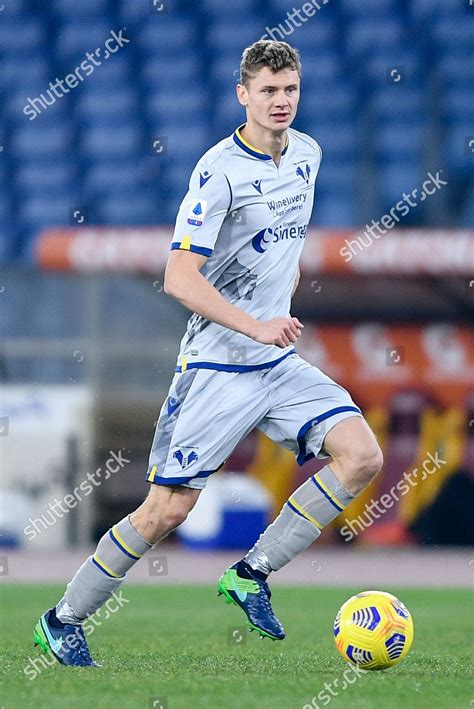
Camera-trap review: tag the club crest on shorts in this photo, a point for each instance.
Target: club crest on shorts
(185, 458)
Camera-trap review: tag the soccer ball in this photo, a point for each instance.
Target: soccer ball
(373, 630)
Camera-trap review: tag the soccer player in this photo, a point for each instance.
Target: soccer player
(234, 263)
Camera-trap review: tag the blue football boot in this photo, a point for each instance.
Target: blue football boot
(240, 586)
(67, 643)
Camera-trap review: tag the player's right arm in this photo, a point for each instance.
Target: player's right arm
(200, 217)
(185, 282)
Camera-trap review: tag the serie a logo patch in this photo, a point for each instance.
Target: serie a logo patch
(197, 212)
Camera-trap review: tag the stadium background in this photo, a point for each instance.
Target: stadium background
(90, 185)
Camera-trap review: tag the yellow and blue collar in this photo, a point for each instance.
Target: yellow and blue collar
(250, 149)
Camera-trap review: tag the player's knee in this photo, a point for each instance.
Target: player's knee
(372, 463)
(362, 467)
(368, 463)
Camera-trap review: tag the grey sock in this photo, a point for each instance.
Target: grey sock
(312, 506)
(102, 574)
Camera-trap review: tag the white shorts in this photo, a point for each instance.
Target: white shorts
(208, 412)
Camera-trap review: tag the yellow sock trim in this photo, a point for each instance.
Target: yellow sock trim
(305, 514)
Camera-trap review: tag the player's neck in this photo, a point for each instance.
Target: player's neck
(268, 141)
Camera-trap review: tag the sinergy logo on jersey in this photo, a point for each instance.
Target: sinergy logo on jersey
(264, 237)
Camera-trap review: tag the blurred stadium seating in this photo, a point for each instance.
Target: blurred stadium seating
(387, 91)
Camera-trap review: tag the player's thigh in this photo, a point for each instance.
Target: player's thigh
(205, 415)
(306, 406)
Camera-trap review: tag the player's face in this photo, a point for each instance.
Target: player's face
(272, 98)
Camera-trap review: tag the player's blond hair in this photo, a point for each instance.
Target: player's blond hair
(271, 53)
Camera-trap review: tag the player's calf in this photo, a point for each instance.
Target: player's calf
(103, 572)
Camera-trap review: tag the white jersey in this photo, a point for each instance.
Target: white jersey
(249, 217)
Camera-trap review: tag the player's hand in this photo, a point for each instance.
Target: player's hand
(279, 331)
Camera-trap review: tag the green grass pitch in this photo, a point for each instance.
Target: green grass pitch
(177, 647)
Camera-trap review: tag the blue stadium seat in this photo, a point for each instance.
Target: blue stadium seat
(427, 10)
(320, 33)
(18, 8)
(4, 169)
(5, 250)
(394, 179)
(19, 71)
(135, 12)
(467, 217)
(229, 114)
(113, 178)
(355, 8)
(457, 152)
(4, 208)
(225, 73)
(74, 39)
(40, 177)
(337, 179)
(224, 39)
(394, 142)
(188, 142)
(156, 71)
(334, 211)
(342, 144)
(167, 36)
(398, 103)
(398, 68)
(177, 106)
(40, 212)
(176, 177)
(457, 105)
(456, 69)
(136, 209)
(450, 32)
(84, 9)
(338, 104)
(215, 8)
(108, 76)
(114, 107)
(107, 142)
(38, 141)
(279, 9)
(366, 37)
(16, 101)
(21, 35)
(326, 69)
(167, 204)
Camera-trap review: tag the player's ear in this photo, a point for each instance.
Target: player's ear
(242, 95)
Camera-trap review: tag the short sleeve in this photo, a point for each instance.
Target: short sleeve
(202, 211)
